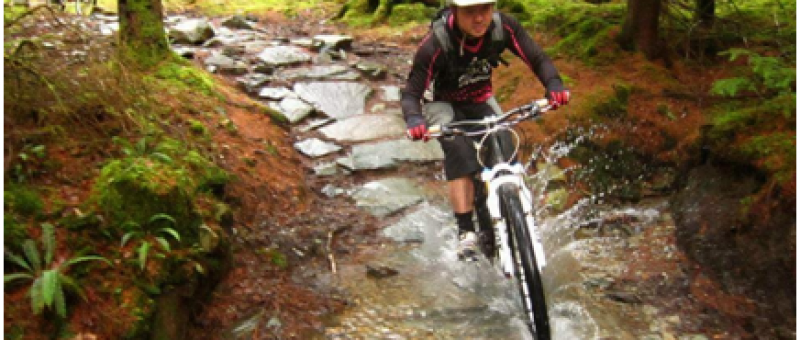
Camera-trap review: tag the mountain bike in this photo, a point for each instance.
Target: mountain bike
(82, 7)
(504, 205)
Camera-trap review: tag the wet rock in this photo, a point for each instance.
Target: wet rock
(372, 70)
(283, 56)
(274, 93)
(335, 99)
(353, 128)
(314, 147)
(411, 228)
(387, 196)
(380, 271)
(330, 72)
(316, 123)
(237, 22)
(225, 64)
(191, 31)
(331, 190)
(326, 169)
(391, 93)
(624, 297)
(386, 154)
(292, 108)
(184, 52)
(252, 81)
(335, 42)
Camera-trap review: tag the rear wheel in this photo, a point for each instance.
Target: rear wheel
(526, 269)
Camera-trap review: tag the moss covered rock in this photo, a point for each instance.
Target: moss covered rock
(136, 189)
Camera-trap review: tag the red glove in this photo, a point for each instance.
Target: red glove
(558, 98)
(417, 128)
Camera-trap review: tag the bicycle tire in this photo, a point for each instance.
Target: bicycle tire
(527, 274)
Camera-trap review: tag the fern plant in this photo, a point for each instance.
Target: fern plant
(140, 149)
(148, 236)
(49, 279)
(768, 76)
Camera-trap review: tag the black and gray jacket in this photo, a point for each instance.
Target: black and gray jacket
(464, 75)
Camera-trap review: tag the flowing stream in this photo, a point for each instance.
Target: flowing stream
(420, 290)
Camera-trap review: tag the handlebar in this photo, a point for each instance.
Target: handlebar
(490, 123)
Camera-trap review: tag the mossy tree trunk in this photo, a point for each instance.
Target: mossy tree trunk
(141, 32)
(640, 30)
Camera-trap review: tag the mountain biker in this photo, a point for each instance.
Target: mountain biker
(457, 58)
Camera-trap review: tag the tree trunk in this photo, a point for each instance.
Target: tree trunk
(640, 30)
(705, 13)
(141, 32)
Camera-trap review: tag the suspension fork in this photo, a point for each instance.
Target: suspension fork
(507, 172)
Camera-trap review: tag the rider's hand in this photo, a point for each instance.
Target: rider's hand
(558, 98)
(556, 93)
(417, 128)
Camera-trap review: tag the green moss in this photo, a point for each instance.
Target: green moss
(198, 127)
(613, 105)
(22, 200)
(587, 39)
(14, 233)
(187, 77)
(136, 189)
(403, 14)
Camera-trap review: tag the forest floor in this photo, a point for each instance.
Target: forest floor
(301, 308)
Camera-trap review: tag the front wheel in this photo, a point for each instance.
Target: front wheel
(526, 270)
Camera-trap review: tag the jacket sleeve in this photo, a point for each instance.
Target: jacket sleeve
(522, 45)
(421, 76)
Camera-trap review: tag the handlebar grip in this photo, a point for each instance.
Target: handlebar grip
(434, 129)
(541, 102)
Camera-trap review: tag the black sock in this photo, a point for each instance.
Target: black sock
(464, 221)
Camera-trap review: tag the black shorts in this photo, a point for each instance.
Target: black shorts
(460, 155)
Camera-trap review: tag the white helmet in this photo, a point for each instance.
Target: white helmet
(464, 3)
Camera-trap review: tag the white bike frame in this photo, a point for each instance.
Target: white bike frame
(513, 174)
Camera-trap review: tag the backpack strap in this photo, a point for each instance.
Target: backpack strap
(498, 44)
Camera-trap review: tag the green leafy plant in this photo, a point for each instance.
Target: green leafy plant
(49, 277)
(767, 76)
(140, 149)
(149, 236)
(25, 167)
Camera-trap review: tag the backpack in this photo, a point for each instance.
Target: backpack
(439, 28)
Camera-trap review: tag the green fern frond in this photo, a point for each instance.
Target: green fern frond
(37, 300)
(49, 242)
(87, 258)
(60, 302)
(19, 261)
(172, 232)
(158, 217)
(17, 276)
(143, 250)
(161, 157)
(127, 237)
(49, 286)
(70, 284)
(164, 243)
(32, 254)
(730, 87)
